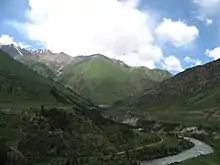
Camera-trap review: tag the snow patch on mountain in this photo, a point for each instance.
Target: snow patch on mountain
(18, 50)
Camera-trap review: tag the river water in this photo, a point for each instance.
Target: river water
(200, 148)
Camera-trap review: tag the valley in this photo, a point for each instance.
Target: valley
(109, 82)
(45, 118)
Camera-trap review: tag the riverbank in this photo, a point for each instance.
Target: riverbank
(169, 145)
(200, 148)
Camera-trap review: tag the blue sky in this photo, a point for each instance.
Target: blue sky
(169, 34)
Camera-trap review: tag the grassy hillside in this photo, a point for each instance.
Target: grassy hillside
(90, 75)
(19, 84)
(42, 69)
(105, 80)
(194, 89)
(55, 137)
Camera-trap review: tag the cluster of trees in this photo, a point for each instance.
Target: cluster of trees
(80, 137)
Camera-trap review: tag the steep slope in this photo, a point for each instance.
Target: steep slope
(12, 50)
(195, 88)
(42, 69)
(54, 61)
(106, 80)
(20, 84)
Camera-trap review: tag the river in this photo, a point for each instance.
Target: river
(200, 148)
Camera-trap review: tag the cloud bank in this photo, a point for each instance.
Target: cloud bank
(8, 40)
(117, 29)
(214, 53)
(177, 33)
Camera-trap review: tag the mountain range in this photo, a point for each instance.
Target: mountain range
(81, 135)
(196, 88)
(103, 80)
(106, 81)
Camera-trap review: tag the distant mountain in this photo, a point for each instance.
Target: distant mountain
(102, 79)
(196, 88)
(106, 80)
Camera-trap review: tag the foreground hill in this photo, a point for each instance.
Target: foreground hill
(58, 137)
(106, 80)
(194, 89)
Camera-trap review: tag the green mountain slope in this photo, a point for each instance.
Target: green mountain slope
(90, 75)
(20, 84)
(42, 69)
(106, 80)
(194, 89)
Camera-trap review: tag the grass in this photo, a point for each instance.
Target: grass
(141, 139)
(19, 85)
(105, 81)
(42, 69)
(212, 159)
(10, 134)
(192, 117)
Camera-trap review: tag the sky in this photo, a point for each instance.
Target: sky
(167, 34)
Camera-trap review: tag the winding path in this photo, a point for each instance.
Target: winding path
(139, 148)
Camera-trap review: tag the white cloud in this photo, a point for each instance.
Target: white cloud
(111, 27)
(214, 54)
(177, 33)
(172, 63)
(194, 62)
(7, 40)
(208, 21)
(208, 8)
(148, 56)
